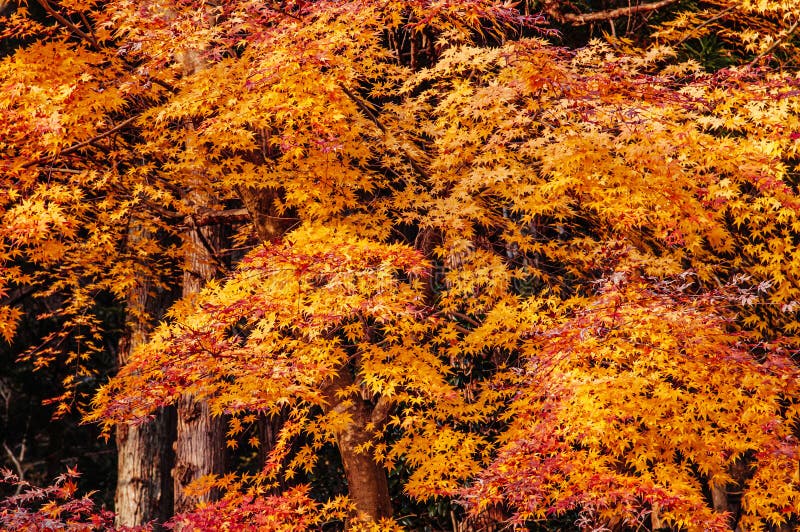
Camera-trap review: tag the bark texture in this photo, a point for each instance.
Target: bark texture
(260, 203)
(198, 451)
(719, 496)
(144, 492)
(367, 484)
(144, 454)
(199, 443)
(199, 446)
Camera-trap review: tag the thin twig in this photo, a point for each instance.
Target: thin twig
(704, 24)
(777, 43)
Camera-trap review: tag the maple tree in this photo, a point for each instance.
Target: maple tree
(528, 277)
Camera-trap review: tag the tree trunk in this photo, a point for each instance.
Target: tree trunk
(656, 523)
(199, 447)
(367, 484)
(366, 480)
(144, 460)
(144, 490)
(198, 451)
(260, 203)
(719, 496)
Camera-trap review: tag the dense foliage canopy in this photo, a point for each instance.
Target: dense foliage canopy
(541, 282)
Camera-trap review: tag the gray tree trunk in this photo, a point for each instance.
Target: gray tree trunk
(144, 454)
(199, 446)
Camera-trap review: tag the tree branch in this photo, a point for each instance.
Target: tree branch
(381, 410)
(62, 170)
(704, 24)
(69, 25)
(17, 464)
(367, 111)
(464, 317)
(19, 296)
(364, 108)
(230, 216)
(79, 145)
(461, 328)
(587, 18)
(777, 43)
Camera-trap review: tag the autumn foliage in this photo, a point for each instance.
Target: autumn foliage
(651, 355)
(532, 281)
(55, 507)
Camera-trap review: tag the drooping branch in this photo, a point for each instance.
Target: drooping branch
(609, 14)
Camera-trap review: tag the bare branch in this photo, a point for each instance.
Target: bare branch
(461, 329)
(610, 14)
(18, 296)
(62, 170)
(230, 216)
(464, 317)
(17, 463)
